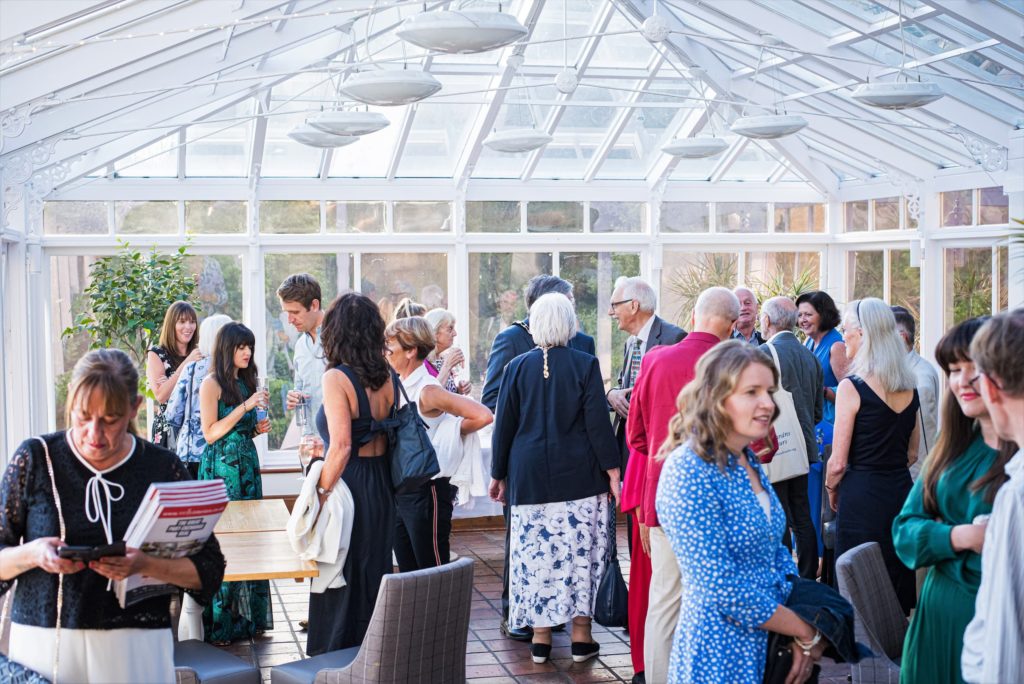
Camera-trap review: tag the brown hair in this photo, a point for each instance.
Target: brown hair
(996, 351)
(702, 418)
(958, 430)
(413, 332)
(407, 308)
(168, 338)
(109, 372)
(353, 334)
(302, 288)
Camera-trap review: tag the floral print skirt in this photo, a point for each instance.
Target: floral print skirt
(559, 552)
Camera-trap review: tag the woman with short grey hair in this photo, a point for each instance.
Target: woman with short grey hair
(555, 462)
(875, 438)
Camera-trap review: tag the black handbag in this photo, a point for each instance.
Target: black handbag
(413, 459)
(612, 606)
(780, 660)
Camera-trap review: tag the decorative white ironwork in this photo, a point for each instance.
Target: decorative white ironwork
(25, 175)
(991, 157)
(909, 188)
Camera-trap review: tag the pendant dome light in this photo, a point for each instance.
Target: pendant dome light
(461, 32)
(512, 140)
(314, 137)
(768, 126)
(898, 94)
(350, 122)
(390, 88)
(697, 148)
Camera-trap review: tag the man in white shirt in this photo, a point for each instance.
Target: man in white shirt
(994, 640)
(299, 295)
(927, 388)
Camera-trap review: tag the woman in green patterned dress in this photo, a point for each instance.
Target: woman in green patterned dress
(937, 527)
(228, 399)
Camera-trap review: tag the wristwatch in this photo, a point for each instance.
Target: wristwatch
(321, 490)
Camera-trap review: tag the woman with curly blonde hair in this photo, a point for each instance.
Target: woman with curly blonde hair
(725, 525)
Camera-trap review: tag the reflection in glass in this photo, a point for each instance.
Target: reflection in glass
(389, 278)
(856, 216)
(492, 217)
(741, 217)
(133, 218)
(968, 284)
(75, 218)
(554, 217)
(799, 218)
(355, 217)
(684, 217)
(993, 206)
(887, 213)
(865, 274)
(618, 217)
(290, 216)
(956, 208)
(423, 217)
(214, 218)
(496, 299)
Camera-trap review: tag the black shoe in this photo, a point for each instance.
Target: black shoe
(583, 651)
(558, 628)
(639, 678)
(540, 652)
(517, 633)
(303, 625)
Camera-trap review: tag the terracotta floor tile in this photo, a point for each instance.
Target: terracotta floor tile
(529, 667)
(485, 671)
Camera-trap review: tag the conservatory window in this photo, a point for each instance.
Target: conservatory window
(76, 218)
(355, 217)
(215, 218)
(134, 218)
(957, 208)
(976, 282)
(493, 217)
(554, 217)
(290, 216)
(799, 218)
(993, 206)
(684, 217)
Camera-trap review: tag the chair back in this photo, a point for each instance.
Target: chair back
(879, 621)
(418, 631)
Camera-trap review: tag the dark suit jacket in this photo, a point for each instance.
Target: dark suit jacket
(510, 343)
(802, 377)
(552, 440)
(662, 332)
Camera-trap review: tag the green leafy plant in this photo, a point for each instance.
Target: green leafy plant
(128, 295)
(782, 284)
(709, 270)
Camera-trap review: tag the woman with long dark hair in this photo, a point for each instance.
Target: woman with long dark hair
(177, 347)
(936, 527)
(357, 391)
(227, 408)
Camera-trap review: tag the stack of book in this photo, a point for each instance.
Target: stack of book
(174, 520)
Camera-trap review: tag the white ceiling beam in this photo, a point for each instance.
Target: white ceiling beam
(115, 101)
(259, 137)
(622, 120)
(665, 164)
(22, 18)
(600, 25)
(991, 18)
(797, 157)
(881, 26)
(325, 163)
(488, 114)
(404, 130)
(728, 159)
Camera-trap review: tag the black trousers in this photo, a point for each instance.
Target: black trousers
(792, 494)
(507, 512)
(424, 525)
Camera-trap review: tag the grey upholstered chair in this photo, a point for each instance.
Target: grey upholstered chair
(418, 633)
(879, 620)
(196, 662)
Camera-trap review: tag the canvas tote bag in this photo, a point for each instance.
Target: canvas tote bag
(791, 458)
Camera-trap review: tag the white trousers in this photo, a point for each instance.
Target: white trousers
(97, 656)
(663, 608)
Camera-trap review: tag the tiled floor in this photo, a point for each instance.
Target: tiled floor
(490, 658)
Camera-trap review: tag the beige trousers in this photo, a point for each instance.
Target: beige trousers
(663, 608)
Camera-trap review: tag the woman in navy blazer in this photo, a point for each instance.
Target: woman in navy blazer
(555, 462)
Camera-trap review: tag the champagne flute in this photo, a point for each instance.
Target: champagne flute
(261, 405)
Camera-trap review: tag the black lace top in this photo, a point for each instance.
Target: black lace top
(27, 512)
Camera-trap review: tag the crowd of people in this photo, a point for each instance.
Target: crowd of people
(717, 442)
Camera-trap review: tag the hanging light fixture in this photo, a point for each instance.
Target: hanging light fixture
(314, 137)
(349, 122)
(694, 148)
(514, 140)
(390, 88)
(461, 32)
(768, 126)
(897, 94)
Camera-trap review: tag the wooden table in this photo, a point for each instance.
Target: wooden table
(255, 545)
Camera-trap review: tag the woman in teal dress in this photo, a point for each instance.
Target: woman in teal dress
(936, 527)
(227, 409)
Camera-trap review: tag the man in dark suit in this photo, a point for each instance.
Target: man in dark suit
(802, 377)
(510, 343)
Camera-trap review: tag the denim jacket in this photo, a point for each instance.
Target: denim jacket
(831, 614)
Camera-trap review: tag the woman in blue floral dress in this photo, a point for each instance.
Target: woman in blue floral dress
(725, 525)
(228, 400)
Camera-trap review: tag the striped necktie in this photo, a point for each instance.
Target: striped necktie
(634, 361)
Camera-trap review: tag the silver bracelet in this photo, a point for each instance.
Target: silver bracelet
(806, 646)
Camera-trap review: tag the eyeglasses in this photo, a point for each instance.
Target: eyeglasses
(621, 301)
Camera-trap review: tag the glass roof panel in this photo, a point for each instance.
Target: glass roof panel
(865, 10)
(755, 163)
(623, 50)
(546, 44)
(221, 148)
(582, 129)
(701, 169)
(803, 15)
(159, 160)
(439, 131)
(520, 110)
(291, 103)
(369, 156)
